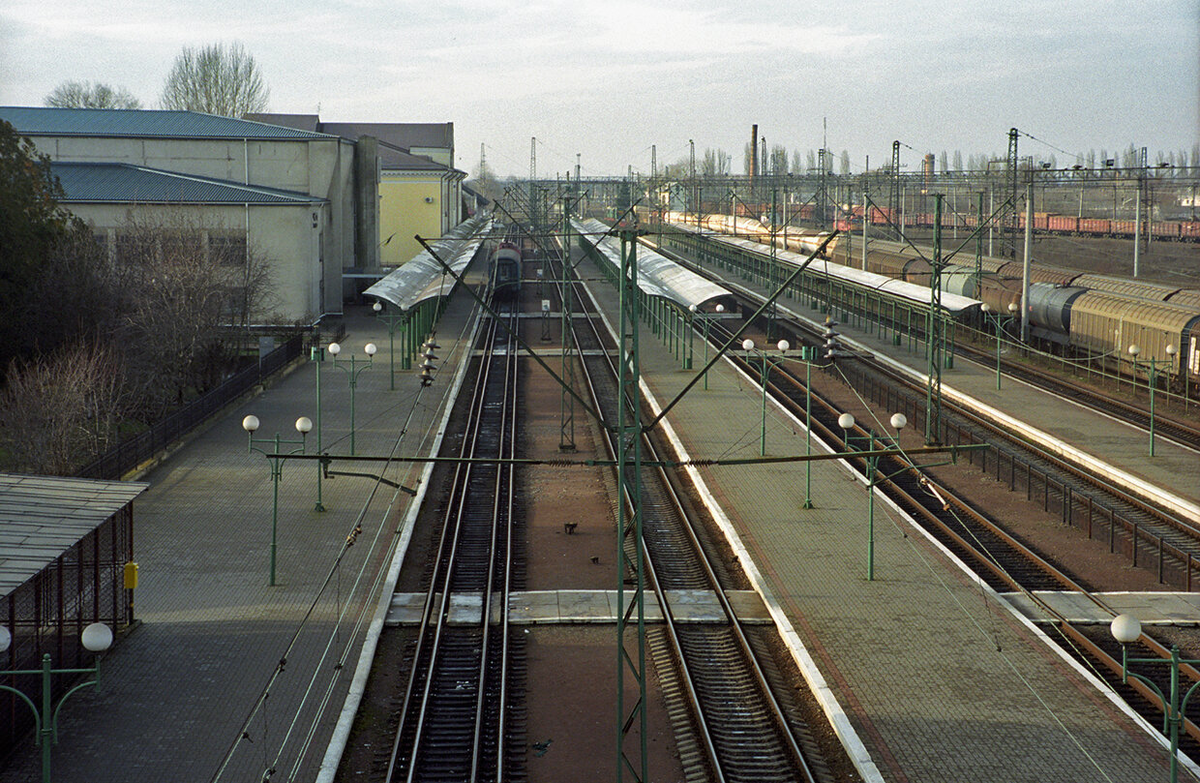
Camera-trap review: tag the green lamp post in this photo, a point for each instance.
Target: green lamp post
(1134, 350)
(999, 320)
(1125, 629)
(250, 424)
(96, 638)
(846, 422)
(353, 371)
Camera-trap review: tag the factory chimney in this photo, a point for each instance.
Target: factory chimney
(753, 154)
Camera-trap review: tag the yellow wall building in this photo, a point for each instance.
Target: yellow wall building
(417, 197)
(420, 191)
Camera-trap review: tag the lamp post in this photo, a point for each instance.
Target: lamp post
(1125, 629)
(748, 346)
(808, 365)
(250, 425)
(720, 308)
(999, 320)
(317, 356)
(1134, 350)
(846, 422)
(353, 371)
(96, 638)
(687, 364)
(391, 319)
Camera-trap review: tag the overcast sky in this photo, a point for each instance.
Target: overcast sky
(608, 80)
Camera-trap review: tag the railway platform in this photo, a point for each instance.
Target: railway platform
(926, 673)
(226, 677)
(1098, 443)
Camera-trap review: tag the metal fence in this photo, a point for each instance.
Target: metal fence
(1125, 533)
(47, 614)
(134, 451)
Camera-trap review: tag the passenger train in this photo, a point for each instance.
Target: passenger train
(505, 272)
(1098, 315)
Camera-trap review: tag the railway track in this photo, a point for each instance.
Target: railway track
(724, 681)
(1136, 412)
(1149, 535)
(1003, 561)
(452, 725)
(1000, 559)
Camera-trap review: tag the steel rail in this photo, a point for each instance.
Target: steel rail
(419, 695)
(746, 651)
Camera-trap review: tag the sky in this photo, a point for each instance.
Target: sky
(607, 81)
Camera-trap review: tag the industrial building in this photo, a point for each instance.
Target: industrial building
(420, 190)
(305, 201)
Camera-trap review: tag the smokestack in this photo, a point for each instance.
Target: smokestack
(753, 154)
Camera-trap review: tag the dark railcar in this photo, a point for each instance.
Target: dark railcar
(506, 272)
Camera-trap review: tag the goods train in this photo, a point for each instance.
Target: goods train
(1100, 316)
(1043, 222)
(506, 272)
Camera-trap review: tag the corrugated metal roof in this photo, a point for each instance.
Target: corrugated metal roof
(138, 123)
(399, 134)
(657, 275)
(43, 516)
(423, 277)
(394, 159)
(122, 182)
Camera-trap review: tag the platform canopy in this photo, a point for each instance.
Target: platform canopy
(901, 289)
(657, 275)
(41, 517)
(423, 277)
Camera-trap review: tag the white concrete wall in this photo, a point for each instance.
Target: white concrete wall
(316, 167)
(282, 235)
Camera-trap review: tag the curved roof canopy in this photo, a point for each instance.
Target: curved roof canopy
(656, 274)
(951, 303)
(424, 277)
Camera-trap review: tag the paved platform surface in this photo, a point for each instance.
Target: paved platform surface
(180, 689)
(573, 607)
(1149, 608)
(927, 670)
(937, 679)
(1102, 444)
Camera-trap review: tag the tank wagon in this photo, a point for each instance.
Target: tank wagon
(1099, 315)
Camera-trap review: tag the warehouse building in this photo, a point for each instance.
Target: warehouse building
(420, 191)
(305, 201)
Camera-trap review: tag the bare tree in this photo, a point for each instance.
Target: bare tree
(216, 80)
(85, 95)
(716, 163)
(57, 414)
(779, 159)
(186, 285)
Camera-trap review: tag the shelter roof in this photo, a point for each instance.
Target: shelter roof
(424, 277)
(140, 123)
(656, 274)
(123, 182)
(43, 516)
